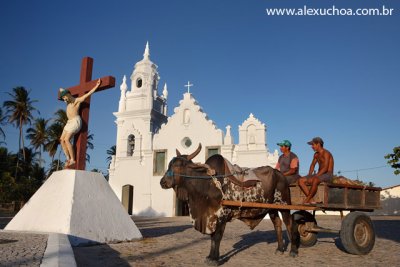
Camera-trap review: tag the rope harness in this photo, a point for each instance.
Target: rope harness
(170, 173)
(216, 182)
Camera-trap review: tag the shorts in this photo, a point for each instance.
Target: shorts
(73, 125)
(326, 177)
(292, 178)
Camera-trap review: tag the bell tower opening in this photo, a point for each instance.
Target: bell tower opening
(139, 82)
(131, 145)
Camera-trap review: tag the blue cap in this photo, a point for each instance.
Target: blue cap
(285, 143)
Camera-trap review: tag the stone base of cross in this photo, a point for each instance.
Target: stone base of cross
(86, 83)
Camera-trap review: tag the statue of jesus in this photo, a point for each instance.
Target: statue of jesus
(74, 123)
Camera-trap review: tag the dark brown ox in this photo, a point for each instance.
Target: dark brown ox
(204, 189)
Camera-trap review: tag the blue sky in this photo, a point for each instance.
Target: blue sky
(303, 76)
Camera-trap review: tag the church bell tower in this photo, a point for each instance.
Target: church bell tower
(142, 110)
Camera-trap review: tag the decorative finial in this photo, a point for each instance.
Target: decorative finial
(188, 86)
(228, 137)
(228, 130)
(122, 103)
(146, 54)
(123, 86)
(165, 91)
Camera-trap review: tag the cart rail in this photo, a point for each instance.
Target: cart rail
(330, 197)
(267, 205)
(338, 197)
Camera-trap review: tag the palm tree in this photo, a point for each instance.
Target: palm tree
(55, 165)
(7, 161)
(54, 133)
(89, 145)
(31, 159)
(2, 122)
(7, 181)
(111, 152)
(19, 111)
(61, 117)
(39, 136)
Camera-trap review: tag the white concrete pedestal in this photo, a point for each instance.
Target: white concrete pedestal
(80, 204)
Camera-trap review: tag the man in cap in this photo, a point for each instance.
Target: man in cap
(288, 162)
(74, 122)
(324, 159)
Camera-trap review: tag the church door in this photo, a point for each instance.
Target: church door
(182, 208)
(127, 198)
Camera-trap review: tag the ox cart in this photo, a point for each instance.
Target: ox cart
(357, 232)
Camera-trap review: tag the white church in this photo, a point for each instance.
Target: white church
(147, 139)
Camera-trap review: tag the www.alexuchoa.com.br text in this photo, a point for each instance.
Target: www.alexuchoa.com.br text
(331, 11)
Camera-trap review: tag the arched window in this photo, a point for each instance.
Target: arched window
(131, 145)
(139, 82)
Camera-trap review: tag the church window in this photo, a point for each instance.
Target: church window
(211, 151)
(159, 162)
(139, 82)
(186, 142)
(131, 145)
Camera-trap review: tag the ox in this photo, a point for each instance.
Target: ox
(205, 185)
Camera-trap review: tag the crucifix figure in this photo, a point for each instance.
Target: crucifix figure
(78, 105)
(188, 86)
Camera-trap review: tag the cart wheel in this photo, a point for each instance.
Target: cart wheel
(357, 233)
(305, 221)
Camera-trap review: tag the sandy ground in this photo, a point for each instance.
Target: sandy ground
(173, 242)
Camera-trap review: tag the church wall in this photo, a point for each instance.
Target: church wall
(137, 103)
(148, 197)
(188, 122)
(164, 200)
(141, 112)
(139, 127)
(254, 159)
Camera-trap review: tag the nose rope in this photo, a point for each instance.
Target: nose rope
(218, 185)
(214, 178)
(170, 173)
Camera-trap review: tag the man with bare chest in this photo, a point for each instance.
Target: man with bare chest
(74, 122)
(325, 162)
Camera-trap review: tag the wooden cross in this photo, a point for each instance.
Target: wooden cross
(86, 83)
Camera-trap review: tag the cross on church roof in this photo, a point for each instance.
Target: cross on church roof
(188, 86)
(86, 83)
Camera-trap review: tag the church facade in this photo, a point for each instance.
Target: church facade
(147, 139)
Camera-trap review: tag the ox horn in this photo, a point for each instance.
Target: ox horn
(194, 154)
(178, 153)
